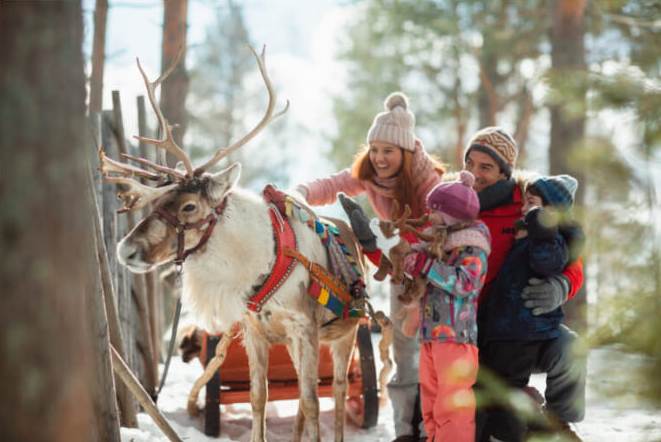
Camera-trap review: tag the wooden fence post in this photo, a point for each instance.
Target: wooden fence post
(153, 292)
(137, 288)
(141, 395)
(105, 403)
(127, 406)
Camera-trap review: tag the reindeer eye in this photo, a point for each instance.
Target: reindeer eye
(188, 207)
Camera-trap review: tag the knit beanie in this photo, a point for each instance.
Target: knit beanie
(456, 198)
(557, 190)
(395, 125)
(498, 144)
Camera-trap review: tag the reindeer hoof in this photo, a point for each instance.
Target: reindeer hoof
(193, 411)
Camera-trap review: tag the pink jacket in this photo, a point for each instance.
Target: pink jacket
(324, 191)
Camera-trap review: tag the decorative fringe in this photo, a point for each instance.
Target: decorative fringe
(343, 266)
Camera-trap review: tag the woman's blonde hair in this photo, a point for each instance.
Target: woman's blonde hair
(405, 191)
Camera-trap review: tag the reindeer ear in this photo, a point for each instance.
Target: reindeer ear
(220, 182)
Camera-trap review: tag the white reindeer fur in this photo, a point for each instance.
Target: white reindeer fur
(218, 280)
(220, 277)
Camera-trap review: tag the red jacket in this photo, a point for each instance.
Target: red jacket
(500, 221)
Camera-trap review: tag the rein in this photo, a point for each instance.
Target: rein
(181, 228)
(182, 254)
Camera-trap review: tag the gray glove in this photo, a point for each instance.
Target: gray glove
(545, 295)
(359, 223)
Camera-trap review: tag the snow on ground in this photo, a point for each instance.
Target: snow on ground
(614, 413)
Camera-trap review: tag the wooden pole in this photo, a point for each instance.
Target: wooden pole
(139, 285)
(127, 406)
(154, 300)
(141, 395)
(118, 274)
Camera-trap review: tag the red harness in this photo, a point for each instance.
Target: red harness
(284, 237)
(283, 234)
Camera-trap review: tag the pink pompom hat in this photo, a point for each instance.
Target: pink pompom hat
(456, 198)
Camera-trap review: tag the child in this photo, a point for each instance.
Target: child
(447, 311)
(520, 335)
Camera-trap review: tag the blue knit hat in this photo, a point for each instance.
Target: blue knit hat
(556, 190)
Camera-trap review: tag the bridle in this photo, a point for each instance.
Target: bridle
(181, 228)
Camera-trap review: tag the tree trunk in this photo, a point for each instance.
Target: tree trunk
(487, 96)
(175, 87)
(49, 370)
(98, 55)
(568, 127)
(525, 113)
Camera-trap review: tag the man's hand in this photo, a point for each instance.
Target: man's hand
(359, 223)
(545, 295)
(417, 264)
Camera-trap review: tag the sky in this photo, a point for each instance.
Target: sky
(301, 47)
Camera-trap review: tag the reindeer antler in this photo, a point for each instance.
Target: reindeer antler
(266, 119)
(167, 170)
(108, 166)
(137, 195)
(167, 142)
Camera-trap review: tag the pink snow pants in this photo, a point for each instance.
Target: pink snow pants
(447, 374)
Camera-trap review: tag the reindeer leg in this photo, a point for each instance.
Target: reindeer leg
(384, 353)
(212, 367)
(341, 350)
(308, 340)
(294, 355)
(258, 359)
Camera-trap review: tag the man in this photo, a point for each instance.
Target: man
(491, 156)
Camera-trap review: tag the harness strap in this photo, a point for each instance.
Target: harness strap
(173, 338)
(285, 238)
(321, 274)
(209, 220)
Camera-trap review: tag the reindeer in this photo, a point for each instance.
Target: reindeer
(225, 242)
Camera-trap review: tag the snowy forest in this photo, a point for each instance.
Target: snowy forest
(85, 338)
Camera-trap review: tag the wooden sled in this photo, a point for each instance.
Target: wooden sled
(231, 383)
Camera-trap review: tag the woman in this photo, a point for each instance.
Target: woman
(393, 166)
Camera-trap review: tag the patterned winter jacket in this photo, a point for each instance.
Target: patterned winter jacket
(449, 307)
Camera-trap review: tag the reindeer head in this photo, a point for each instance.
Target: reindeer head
(186, 202)
(186, 209)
